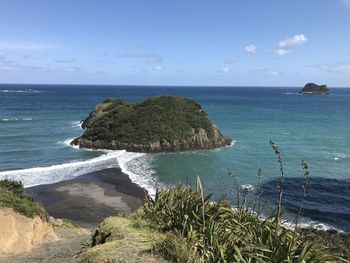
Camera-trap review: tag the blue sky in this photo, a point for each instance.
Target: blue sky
(183, 42)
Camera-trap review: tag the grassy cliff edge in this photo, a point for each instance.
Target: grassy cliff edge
(182, 225)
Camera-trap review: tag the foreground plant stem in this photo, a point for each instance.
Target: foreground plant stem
(305, 185)
(279, 208)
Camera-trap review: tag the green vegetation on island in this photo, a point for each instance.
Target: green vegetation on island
(312, 88)
(13, 195)
(156, 124)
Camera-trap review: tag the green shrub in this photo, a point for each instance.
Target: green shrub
(13, 195)
(337, 243)
(214, 232)
(16, 187)
(164, 117)
(176, 248)
(109, 100)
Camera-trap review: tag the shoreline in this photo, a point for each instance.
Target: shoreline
(89, 198)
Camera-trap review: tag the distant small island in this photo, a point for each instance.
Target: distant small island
(312, 88)
(156, 124)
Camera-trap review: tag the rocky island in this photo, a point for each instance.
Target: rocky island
(312, 88)
(156, 124)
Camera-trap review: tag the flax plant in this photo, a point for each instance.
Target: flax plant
(281, 185)
(215, 232)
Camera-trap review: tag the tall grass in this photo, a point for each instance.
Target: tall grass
(215, 232)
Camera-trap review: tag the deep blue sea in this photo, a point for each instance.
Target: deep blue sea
(37, 126)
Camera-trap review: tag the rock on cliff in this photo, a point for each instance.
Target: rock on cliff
(312, 88)
(156, 124)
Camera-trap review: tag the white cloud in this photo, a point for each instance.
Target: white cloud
(25, 45)
(281, 51)
(273, 72)
(251, 49)
(225, 70)
(158, 68)
(2, 56)
(293, 41)
(285, 46)
(335, 68)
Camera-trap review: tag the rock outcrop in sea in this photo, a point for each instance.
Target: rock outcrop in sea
(156, 124)
(312, 88)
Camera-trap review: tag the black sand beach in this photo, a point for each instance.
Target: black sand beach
(91, 197)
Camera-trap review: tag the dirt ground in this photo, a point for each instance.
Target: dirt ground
(65, 250)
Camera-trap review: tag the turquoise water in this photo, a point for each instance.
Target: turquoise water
(36, 127)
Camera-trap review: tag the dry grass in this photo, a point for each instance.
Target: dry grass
(123, 239)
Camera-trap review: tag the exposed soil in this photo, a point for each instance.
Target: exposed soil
(65, 250)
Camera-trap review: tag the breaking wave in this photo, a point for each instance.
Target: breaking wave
(135, 165)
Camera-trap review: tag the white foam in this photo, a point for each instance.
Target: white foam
(135, 165)
(247, 187)
(318, 226)
(16, 119)
(339, 156)
(303, 223)
(60, 172)
(290, 93)
(231, 144)
(77, 124)
(20, 91)
(67, 142)
(139, 170)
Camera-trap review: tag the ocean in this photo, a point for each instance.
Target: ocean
(37, 122)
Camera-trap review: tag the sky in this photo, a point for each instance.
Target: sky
(178, 42)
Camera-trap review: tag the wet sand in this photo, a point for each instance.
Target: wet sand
(91, 197)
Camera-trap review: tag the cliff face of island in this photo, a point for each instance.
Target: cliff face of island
(156, 124)
(312, 88)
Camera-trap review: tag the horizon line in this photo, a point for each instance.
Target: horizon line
(165, 86)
